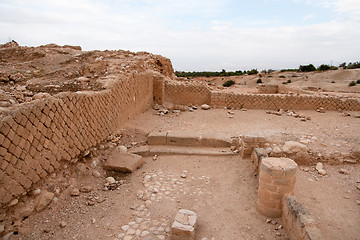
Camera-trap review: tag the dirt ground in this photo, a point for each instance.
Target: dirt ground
(328, 134)
(332, 82)
(221, 190)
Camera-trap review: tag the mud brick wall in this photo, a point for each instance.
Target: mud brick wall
(37, 136)
(281, 101)
(187, 92)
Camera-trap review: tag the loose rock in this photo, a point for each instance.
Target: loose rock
(344, 171)
(205, 107)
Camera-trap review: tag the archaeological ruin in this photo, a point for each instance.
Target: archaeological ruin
(112, 145)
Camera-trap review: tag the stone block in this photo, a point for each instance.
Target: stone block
(257, 155)
(123, 162)
(184, 225)
(157, 138)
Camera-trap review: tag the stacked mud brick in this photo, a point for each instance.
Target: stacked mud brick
(248, 143)
(187, 92)
(268, 88)
(159, 89)
(35, 138)
(283, 101)
(184, 225)
(276, 179)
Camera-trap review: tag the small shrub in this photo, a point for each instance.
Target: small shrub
(228, 83)
(289, 70)
(259, 81)
(288, 81)
(353, 83)
(307, 68)
(334, 68)
(252, 71)
(281, 76)
(343, 65)
(284, 83)
(353, 65)
(323, 67)
(358, 81)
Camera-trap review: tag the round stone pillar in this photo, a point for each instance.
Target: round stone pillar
(277, 178)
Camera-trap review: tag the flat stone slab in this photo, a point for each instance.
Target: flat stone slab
(190, 139)
(123, 162)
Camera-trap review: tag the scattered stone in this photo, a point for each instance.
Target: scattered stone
(344, 171)
(155, 157)
(268, 220)
(85, 189)
(63, 224)
(13, 202)
(75, 192)
(110, 180)
(156, 107)
(96, 174)
(86, 153)
(36, 192)
(321, 110)
(122, 149)
(183, 175)
(205, 107)
(43, 200)
(358, 202)
(319, 166)
(2, 228)
(81, 169)
(125, 228)
(123, 162)
(41, 96)
(140, 194)
(294, 147)
(322, 172)
(351, 161)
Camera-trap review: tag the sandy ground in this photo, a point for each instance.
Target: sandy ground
(328, 82)
(332, 200)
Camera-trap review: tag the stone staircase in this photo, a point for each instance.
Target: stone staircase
(186, 143)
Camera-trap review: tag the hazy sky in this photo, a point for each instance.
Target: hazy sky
(195, 34)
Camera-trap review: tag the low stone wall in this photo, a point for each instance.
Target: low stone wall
(35, 137)
(298, 222)
(195, 92)
(187, 92)
(281, 101)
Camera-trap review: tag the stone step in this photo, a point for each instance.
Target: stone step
(153, 150)
(178, 138)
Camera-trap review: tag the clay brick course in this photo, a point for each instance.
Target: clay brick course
(277, 178)
(37, 136)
